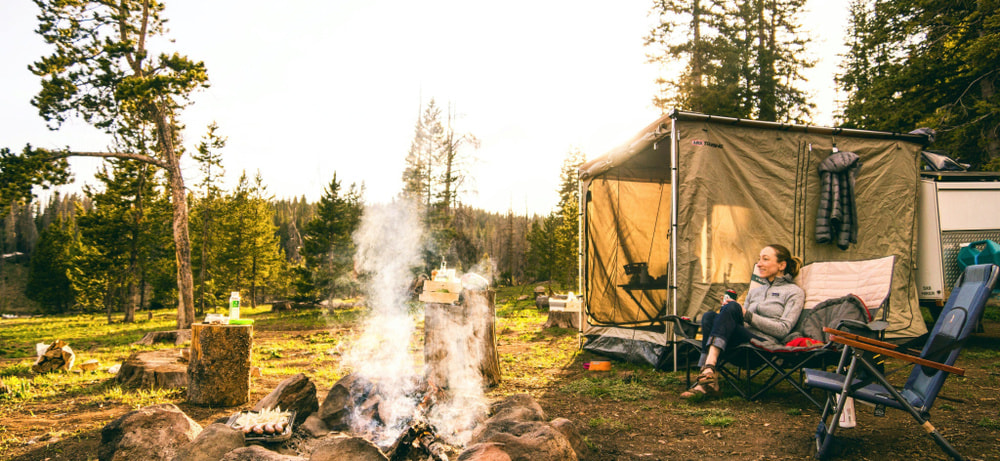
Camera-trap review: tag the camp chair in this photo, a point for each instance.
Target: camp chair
(869, 282)
(959, 317)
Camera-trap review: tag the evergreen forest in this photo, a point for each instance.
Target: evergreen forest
(147, 234)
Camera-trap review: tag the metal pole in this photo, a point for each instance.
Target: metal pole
(673, 229)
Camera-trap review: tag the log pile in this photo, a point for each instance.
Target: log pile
(58, 356)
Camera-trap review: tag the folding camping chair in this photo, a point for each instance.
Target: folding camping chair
(868, 281)
(958, 319)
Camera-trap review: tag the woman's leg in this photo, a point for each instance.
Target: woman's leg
(717, 328)
(707, 323)
(727, 328)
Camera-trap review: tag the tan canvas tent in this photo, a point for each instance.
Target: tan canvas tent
(688, 203)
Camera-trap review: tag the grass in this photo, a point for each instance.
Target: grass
(717, 421)
(613, 389)
(989, 423)
(613, 425)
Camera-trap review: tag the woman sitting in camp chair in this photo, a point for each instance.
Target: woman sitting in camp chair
(771, 309)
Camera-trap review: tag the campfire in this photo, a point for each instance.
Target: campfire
(400, 437)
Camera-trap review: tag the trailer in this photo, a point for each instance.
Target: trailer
(956, 207)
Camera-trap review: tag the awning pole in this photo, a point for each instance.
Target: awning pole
(673, 229)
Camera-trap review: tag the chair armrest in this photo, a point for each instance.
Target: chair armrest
(857, 325)
(860, 342)
(860, 338)
(683, 327)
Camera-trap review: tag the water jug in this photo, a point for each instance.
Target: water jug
(979, 252)
(234, 305)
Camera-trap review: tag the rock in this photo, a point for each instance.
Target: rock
(347, 449)
(521, 406)
(279, 306)
(523, 298)
(568, 430)
(212, 444)
(538, 442)
(258, 453)
(155, 432)
(484, 452)
(297, 393)
(175, 337)
(57, 356)
(90, 365)
(314, 426)
(339, 402)
(161, 369)
(518, 430)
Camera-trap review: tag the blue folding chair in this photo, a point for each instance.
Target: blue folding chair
(863, 380)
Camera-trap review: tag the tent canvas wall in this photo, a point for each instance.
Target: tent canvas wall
(695, 197)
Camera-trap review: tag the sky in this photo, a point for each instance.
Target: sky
(317, 88)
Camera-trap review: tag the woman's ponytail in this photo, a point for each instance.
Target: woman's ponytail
(792, 263)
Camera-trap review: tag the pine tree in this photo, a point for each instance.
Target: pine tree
(206, 210)
(740, 59)
(123, 246)
(48, 279)
(327, 244)
(102, 70)
(927, 64)
(425, 148)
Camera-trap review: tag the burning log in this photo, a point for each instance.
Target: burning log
(419, 436)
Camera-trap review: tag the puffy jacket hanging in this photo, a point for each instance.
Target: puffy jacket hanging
(836, 220)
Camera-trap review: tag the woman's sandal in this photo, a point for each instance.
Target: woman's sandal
(707, 384)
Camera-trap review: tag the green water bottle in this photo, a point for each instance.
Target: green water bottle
(234, 305)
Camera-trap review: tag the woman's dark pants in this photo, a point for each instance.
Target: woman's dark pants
(723, 328)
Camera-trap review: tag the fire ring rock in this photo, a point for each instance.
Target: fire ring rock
(258, 453)
(212, 444)
(347, 449)
(297, 393)
(155, 432)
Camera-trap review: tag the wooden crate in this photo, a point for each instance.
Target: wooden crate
(440, 292)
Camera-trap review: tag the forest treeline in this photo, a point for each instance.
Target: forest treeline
(108, 249)
(146, 237)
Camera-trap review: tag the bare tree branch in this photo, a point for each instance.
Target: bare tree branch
(122, 155)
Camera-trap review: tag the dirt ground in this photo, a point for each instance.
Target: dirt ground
(654, 424)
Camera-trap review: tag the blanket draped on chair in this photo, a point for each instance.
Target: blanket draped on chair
(829, 313)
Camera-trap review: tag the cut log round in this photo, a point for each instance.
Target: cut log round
(162, 369)
(219, 367)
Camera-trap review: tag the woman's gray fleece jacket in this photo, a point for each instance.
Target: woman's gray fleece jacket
(773, 309)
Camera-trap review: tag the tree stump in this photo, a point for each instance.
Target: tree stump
(219, 367)
(564, 319)
(454, 335)
(175, 337)
(162, 369)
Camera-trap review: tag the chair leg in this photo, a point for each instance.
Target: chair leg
(924, 423)
(828, 424)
